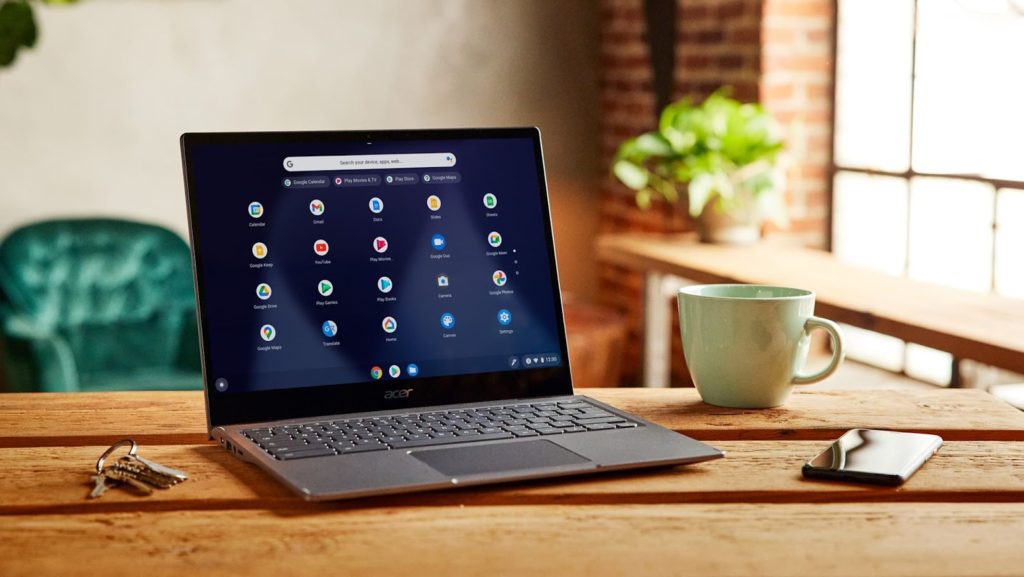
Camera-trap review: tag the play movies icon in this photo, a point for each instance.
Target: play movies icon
(380, 244)
(320, 247)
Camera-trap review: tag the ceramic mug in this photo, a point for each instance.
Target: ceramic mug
(746, 345)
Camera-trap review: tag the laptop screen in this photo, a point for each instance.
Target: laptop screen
(373, 259)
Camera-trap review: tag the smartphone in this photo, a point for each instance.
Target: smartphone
(871, 456)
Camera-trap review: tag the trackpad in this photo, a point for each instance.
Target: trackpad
(503, 457)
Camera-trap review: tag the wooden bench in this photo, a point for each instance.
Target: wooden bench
(983, 327)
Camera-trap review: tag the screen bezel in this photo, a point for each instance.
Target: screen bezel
(290, 403)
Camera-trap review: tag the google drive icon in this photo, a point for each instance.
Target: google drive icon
(263, 291)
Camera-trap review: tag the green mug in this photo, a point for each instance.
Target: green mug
(746, 345)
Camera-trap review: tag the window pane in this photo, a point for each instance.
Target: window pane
(1010, 243)
(869, 224)
(929, 365)
(969, 89)
(873, 348)
(873, 75)
(951, 232)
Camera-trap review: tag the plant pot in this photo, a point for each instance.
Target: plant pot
(741, 225)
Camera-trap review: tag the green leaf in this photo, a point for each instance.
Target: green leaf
(700, 190)
(18, 23)
(653, 144)
(643, 199)
(631, 175)
(17, 29)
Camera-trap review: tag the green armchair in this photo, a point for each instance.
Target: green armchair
(97, 305)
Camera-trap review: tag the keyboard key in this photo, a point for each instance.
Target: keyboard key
(361, 448)
(450, 440)
(305, 454)
(600, 426)
(551, 431)
(596, 420)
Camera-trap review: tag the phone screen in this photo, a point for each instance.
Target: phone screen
(874, 456)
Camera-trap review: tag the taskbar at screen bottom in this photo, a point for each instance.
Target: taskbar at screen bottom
(385, 370)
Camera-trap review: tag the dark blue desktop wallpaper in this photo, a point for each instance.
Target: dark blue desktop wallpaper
(227, 178)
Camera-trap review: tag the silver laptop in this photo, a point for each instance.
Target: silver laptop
(379, 313)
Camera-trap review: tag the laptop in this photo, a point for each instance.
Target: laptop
(379, 312)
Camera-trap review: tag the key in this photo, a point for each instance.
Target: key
(123, 477)
(144, 474)
(163, 469)
(100, 487)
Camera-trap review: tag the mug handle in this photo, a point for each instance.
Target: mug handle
(837, 350)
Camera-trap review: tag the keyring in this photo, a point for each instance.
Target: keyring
(121, 443)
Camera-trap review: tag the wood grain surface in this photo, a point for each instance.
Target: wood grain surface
(894, 539)
(970, 325)
(178, 418)
(748, 514)
(44, 480)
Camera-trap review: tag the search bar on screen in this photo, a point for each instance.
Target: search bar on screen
(369, 161)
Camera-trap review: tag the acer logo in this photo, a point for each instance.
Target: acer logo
(397, 394)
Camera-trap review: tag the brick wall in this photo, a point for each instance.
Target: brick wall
(775, 51)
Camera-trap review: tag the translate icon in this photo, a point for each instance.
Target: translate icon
(329, 328)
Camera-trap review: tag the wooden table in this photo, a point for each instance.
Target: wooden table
(748, 514)
(983, 327)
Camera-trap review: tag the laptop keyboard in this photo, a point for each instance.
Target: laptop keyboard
(360, 435)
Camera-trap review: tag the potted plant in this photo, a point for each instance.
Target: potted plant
(724, 153)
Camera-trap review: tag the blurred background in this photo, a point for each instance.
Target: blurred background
(901, 122)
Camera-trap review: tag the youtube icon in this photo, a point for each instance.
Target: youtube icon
(380, 244)
(320, 247)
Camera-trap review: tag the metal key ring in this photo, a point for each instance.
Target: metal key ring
(115, 446)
